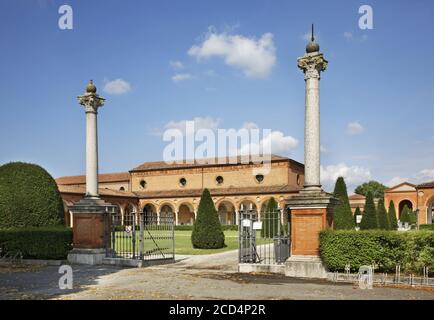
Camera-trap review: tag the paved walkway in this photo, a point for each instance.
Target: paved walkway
(191, 277)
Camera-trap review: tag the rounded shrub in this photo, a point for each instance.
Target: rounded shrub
(29, 197)
(207, 230)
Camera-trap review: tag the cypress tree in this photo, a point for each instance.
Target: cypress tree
(207, 230)
(369, 220)
(393, 222)
(405, 215)
(343, 217)
(357, 213)
(270, 220)
(383, 221)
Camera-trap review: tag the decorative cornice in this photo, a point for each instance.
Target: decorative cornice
(312, 65)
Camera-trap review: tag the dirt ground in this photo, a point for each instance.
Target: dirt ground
(191, 277)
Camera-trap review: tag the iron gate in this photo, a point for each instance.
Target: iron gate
(146, 236)
(265, 240)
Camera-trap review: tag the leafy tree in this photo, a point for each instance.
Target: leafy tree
(375, 187)
(382, 218)
(29, 197)
(357, 213)
(407, 215)
(369, 219)
(343, 217)
(393, 222)
(207, 231)
(270, 224)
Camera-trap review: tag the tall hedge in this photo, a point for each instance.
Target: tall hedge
(36, 243)
(393, 221)
(270, 220)
(412, 250)
(382, 218)
(342, 217)
(207, 231)
(29, 197)
(369, 219)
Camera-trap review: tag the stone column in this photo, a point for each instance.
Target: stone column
(176, 218)
(312, 65)
(91, 215)
(237, 217)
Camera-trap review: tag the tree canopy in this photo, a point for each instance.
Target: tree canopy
(375, 187)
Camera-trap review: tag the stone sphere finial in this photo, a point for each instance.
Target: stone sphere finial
(312, 46)
(90, 88)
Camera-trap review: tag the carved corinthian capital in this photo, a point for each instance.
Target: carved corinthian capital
(312, 65)
(91, 102)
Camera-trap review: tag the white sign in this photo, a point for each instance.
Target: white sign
(246, 223)
(359, 218)
(257, 225)
(128, 229)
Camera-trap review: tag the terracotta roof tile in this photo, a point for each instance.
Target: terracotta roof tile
(426, 185)
(208, 162)
(101, 191)
(105, 177)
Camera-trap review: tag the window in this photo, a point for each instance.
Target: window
(182, 182)
(298, 179)
(259, 178)
(142, 184)
(219, 180)
(121, 189)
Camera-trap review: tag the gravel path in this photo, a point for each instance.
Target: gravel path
(191, 277)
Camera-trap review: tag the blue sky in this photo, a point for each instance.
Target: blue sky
(376, 96)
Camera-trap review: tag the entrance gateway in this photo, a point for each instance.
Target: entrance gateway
(146, 239)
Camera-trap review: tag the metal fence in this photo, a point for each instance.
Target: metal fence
(264, 239)
(145, 237)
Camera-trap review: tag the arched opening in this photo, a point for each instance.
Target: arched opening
(404, 203)
(185, 214)
(167, 214)
(129, 215)
(226, 212)
(117, 217)
(150, 214)
(430, 211)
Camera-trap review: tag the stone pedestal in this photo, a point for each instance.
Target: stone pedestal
(311, 212)
(91, 231)
(305, 267)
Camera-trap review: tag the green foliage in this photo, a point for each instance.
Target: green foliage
(412, 250)
(37, 243)
(29, 197)
(407, 216)
(357, 213)
(426, 227)
(393, 221)
(207, 231)
(270, 220)
(342, 217)
(382, 218)
(369, 219)
(376, 188)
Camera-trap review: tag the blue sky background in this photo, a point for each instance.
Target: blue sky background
(381, 78)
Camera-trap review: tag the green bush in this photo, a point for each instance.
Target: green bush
(412, 250)
(426, 227)
(369, 219)
(29, 197)
(37, 243)
(342, 215)
(393, 221)
(382, 217)
(207, 231)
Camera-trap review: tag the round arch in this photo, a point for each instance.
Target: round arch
(185, 213)
(404, 203)
(247, 203)
(226, 212)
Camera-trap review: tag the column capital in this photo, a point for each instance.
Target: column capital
(312, 65)
(91, 102)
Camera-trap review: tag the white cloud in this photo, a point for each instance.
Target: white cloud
(181, 77)
(275, 141)
(425, 174)
(348, 35)
(255, 58)
(199, 123)
(353, 175)
(117, 87)
(250, 125)
(354, 128)
(395, 181)
(176, 65)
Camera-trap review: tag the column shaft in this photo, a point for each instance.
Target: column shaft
(91, 154)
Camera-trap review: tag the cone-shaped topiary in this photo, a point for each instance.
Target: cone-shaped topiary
(383, 221)
(29, 197)
(343, 217)
(369, 219)
(405, 215)
(357, 213)
(270, 224)
(393, 222)
(207, 230)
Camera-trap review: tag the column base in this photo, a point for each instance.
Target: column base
(305, 267)
(86, 256)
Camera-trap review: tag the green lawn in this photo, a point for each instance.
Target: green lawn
(183, 243)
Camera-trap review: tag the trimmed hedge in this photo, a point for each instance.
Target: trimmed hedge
(37, 243)
(412, 250)
(426, 227)
(29, 197)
